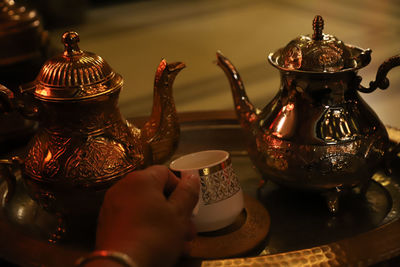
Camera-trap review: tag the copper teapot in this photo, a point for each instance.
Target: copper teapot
(317, 133)
(83, 144)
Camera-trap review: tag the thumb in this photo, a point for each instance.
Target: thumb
(186, 195)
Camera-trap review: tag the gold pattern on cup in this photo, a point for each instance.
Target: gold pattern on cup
(219, 185)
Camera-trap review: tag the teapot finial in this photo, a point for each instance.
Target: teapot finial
(318, 26)
(70, 40)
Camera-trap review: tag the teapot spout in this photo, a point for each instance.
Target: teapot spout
(245, 110)
(162, 130)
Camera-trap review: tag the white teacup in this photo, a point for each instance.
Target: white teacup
(221, 196)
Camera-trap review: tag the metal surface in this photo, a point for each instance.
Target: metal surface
(75, 74)
(317, 133)
(365, 231)
(83, 144)
(319, 52)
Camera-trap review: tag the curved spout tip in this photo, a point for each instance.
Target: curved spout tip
(219, 54)
(227, 66)
(220, 58)
(176, 66)
(173, 67)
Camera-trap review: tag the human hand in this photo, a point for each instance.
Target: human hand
(147, 216)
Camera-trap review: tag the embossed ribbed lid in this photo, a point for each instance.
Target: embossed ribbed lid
(319, 52)
(75, 74)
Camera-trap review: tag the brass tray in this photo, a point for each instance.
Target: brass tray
(366, 230)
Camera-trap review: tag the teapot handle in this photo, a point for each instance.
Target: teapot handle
(7, 99)
(27, 105)
(22, 100)
(7, 168)
(381, 81)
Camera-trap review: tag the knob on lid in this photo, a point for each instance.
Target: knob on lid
(319, 52)
(75, 74)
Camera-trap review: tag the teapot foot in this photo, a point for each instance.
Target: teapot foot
(333, 196)
(332, 199)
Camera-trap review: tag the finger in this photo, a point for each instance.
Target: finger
(161, 178)
(172, 183)
(185, 195)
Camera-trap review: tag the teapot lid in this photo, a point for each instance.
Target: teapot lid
(75, 74)
(319, 52)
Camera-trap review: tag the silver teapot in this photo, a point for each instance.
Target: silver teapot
(317, 133)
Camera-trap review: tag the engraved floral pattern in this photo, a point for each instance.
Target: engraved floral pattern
(82, 159)
(95, 160)
(219, 185)
(43, 157)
